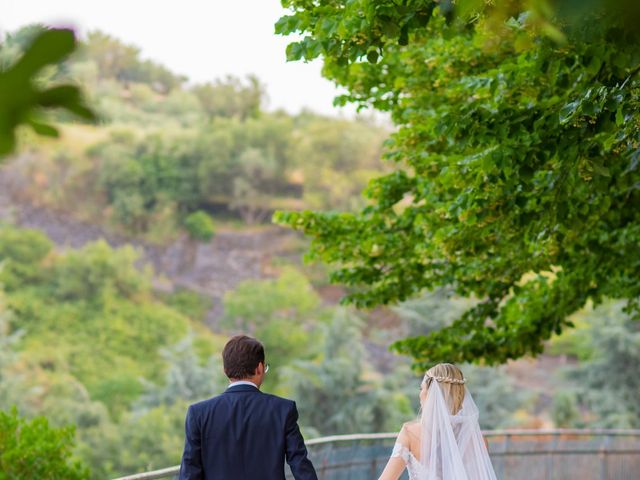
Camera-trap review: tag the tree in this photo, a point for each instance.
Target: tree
(519, 155)
(564, 411)
(150, 441)
(187, 379)
(431, 311)
(496, 395)
(141, 441)
(241, 165)
(282, 313)
(32, 449)
(98, 271)
(122, 62)
(87, 300)
(188, 302)
(337, 159)
(9, 387)
(230, 98)
(606, 383)
(256, 170)
(21, 254)
(199, 228)
(335, 395)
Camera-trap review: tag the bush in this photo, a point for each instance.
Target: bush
(98, 270)
(199, 226)
(192, 304)
(33, 449)
(21, 254)
(564, 411)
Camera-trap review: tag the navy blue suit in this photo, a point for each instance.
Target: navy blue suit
(244, 434)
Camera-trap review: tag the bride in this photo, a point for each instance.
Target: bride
(445, 443)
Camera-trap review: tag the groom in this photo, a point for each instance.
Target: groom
(244, 434)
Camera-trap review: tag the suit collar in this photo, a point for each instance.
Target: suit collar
(242, 387)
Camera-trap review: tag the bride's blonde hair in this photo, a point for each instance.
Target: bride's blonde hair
(451, 383)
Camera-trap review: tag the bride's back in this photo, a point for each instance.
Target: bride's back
(453, 391)
(413, 437)
(446, 441)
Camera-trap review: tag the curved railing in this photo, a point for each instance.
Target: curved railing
(566, 454)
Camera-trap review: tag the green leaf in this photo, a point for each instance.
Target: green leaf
(403, 39)
(22, 98)
(468, 8)
(64, 94)
(568, 111)
(51, 46)
(294, 51)
(44, 129)
(600, 169)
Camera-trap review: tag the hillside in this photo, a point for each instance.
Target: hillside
(235, 254)
(164, 149)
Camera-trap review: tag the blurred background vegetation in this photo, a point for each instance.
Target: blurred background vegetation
(124, 248)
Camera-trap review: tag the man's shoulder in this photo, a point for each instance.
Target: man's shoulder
(204, 404)
(273, 400)
(276, 398)
(280, 402)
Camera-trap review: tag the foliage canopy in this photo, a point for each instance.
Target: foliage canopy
(519, 148)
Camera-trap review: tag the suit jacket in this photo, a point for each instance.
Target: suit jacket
(244, 434)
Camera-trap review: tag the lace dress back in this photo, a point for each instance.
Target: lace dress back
(414, 467)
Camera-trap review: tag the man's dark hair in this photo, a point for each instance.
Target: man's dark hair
(241, 356)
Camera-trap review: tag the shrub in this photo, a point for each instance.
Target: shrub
(33, 449)
(199, 226)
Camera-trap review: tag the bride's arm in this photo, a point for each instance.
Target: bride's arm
(396, 464)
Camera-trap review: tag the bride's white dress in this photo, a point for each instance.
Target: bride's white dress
(452, 447)
(414, 467)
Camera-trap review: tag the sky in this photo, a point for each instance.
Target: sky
(202, 39)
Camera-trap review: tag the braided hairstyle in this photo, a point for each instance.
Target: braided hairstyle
(451, 382)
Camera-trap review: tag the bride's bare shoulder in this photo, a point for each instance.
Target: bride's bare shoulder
(412, 428)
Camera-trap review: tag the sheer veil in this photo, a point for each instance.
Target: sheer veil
(452, 445)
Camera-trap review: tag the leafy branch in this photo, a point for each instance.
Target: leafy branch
(22, 99)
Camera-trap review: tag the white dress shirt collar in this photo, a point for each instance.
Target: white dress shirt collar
(242, 382)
